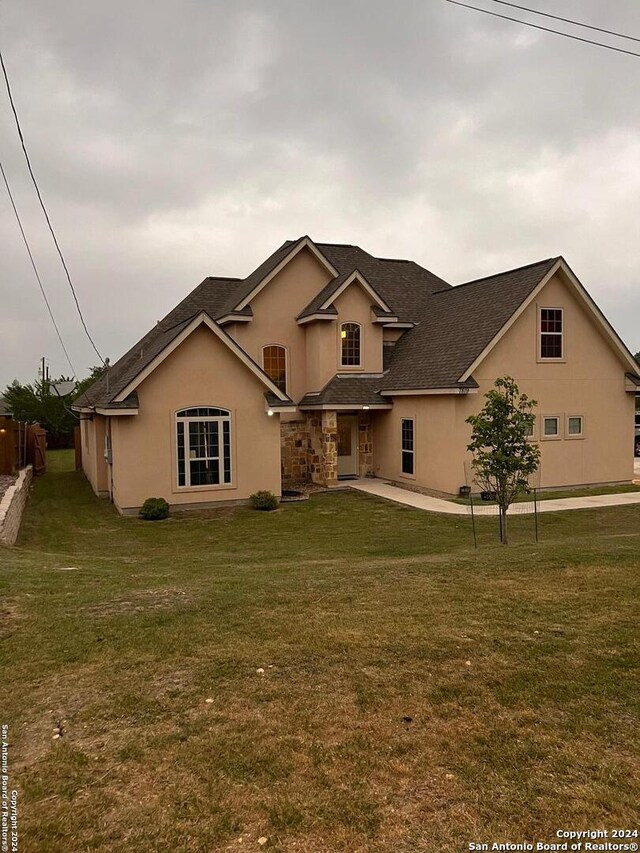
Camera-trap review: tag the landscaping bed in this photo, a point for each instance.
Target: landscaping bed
(6, 480)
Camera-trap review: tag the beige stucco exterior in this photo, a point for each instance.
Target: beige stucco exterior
(274, 311)
(589, 382)
(92, 435)
(295, 445)
(202, 371)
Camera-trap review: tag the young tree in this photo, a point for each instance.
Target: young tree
(503, 456)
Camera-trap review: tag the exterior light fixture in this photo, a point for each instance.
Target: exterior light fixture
(270, 413)
(365, 408)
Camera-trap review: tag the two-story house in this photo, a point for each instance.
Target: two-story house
(328, 363)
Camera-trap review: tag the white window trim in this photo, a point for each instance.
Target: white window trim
(412, 452)
(558, 435)
(187, 471)
(359, 365)
(286, 363)
(541, 359)
(574, 435)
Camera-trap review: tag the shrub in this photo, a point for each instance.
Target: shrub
(264, 500)
(154, 509)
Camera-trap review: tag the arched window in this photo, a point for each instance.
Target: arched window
(350, 345)
(203, 437)
(274, 362)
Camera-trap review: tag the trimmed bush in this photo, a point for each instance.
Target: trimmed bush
(264, 500)
(154, 509)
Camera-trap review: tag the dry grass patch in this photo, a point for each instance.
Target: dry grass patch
(142, 601)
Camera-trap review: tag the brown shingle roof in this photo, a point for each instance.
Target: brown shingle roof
(400, 282)
(347, 391)
(404, 285)
(459, 323)
(454, 324)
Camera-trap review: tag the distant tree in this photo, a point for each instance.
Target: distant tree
(637, 357)
(503, 456)
(39, 403)
(83, 384)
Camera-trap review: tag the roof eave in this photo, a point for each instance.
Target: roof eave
(316, 407)
(234, 318)
(460, 390)
(318, 315)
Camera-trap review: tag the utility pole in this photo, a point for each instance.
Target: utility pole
(44, 376)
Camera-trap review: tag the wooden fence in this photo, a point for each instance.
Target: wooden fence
(21, 444)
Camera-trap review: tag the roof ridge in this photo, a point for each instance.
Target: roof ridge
(504, 272)
(340, 245)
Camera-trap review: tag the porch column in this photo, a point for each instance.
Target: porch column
(330, 448)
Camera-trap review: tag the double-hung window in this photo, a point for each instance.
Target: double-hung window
(551, 333)
(203, 437)
(407, 444)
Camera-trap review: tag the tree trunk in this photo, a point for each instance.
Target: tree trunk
(503, 525)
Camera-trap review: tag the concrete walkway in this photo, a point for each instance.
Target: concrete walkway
(383, 489)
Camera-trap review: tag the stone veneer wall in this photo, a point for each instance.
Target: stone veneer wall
(294, 439)
(314, 428)
(12, 506)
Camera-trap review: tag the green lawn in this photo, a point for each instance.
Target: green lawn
(517, 665)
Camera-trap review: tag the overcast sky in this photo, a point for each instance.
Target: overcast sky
(174, 140)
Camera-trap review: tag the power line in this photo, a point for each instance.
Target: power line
(44, 209)
(567, 20)
(35, 269)
(545, 29)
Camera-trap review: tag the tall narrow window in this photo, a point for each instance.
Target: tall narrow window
(350, 344)
(407, 443)
(203, 437)
(274, 362)
(551, 333)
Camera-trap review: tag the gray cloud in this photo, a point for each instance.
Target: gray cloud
(175, 140)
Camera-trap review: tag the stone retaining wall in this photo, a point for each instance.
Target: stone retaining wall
(12, 506)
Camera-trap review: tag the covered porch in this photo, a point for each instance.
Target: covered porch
(334, 442)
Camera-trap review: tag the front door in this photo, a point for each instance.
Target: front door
(347, 446)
